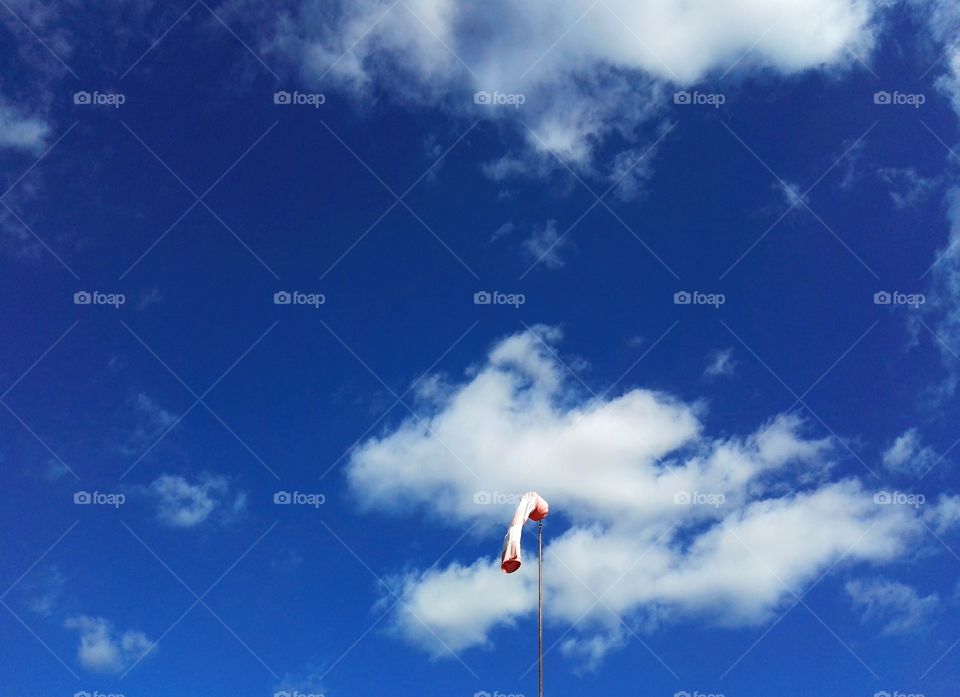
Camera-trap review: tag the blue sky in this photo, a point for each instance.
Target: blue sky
(690, 274)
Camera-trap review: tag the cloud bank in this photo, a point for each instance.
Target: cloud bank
(665, 521)
(584, 70)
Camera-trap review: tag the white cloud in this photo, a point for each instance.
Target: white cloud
(898, 607)
(949, 82)
(586, 70)
(907, 454)
(721, 363)
(105, 650)
(612, 468)
(588, 652)
(657, 37)
(435, 615)
(21, 132)
(184, 504)
(302, 684)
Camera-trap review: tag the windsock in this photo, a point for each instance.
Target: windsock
(533, 507)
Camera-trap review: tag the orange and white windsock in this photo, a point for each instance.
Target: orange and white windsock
(533, 507)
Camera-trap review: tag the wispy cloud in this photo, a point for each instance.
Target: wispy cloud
(720, 363)
(545, 244)
(943, 515)
(149, 297)
(791, 192)
(542, 243)
(898, 608)
(182, 503)
(503, 231)
(151, 420)
(907, 187)
(942, 310)
(22, 132)
(943, 23)
(45, 591)
(908, 454)
(307, 682)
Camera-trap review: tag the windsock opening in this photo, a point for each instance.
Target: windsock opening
(510, 565)
(532, 507)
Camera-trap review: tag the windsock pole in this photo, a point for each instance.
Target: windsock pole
(540, 600)
(532, 507)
